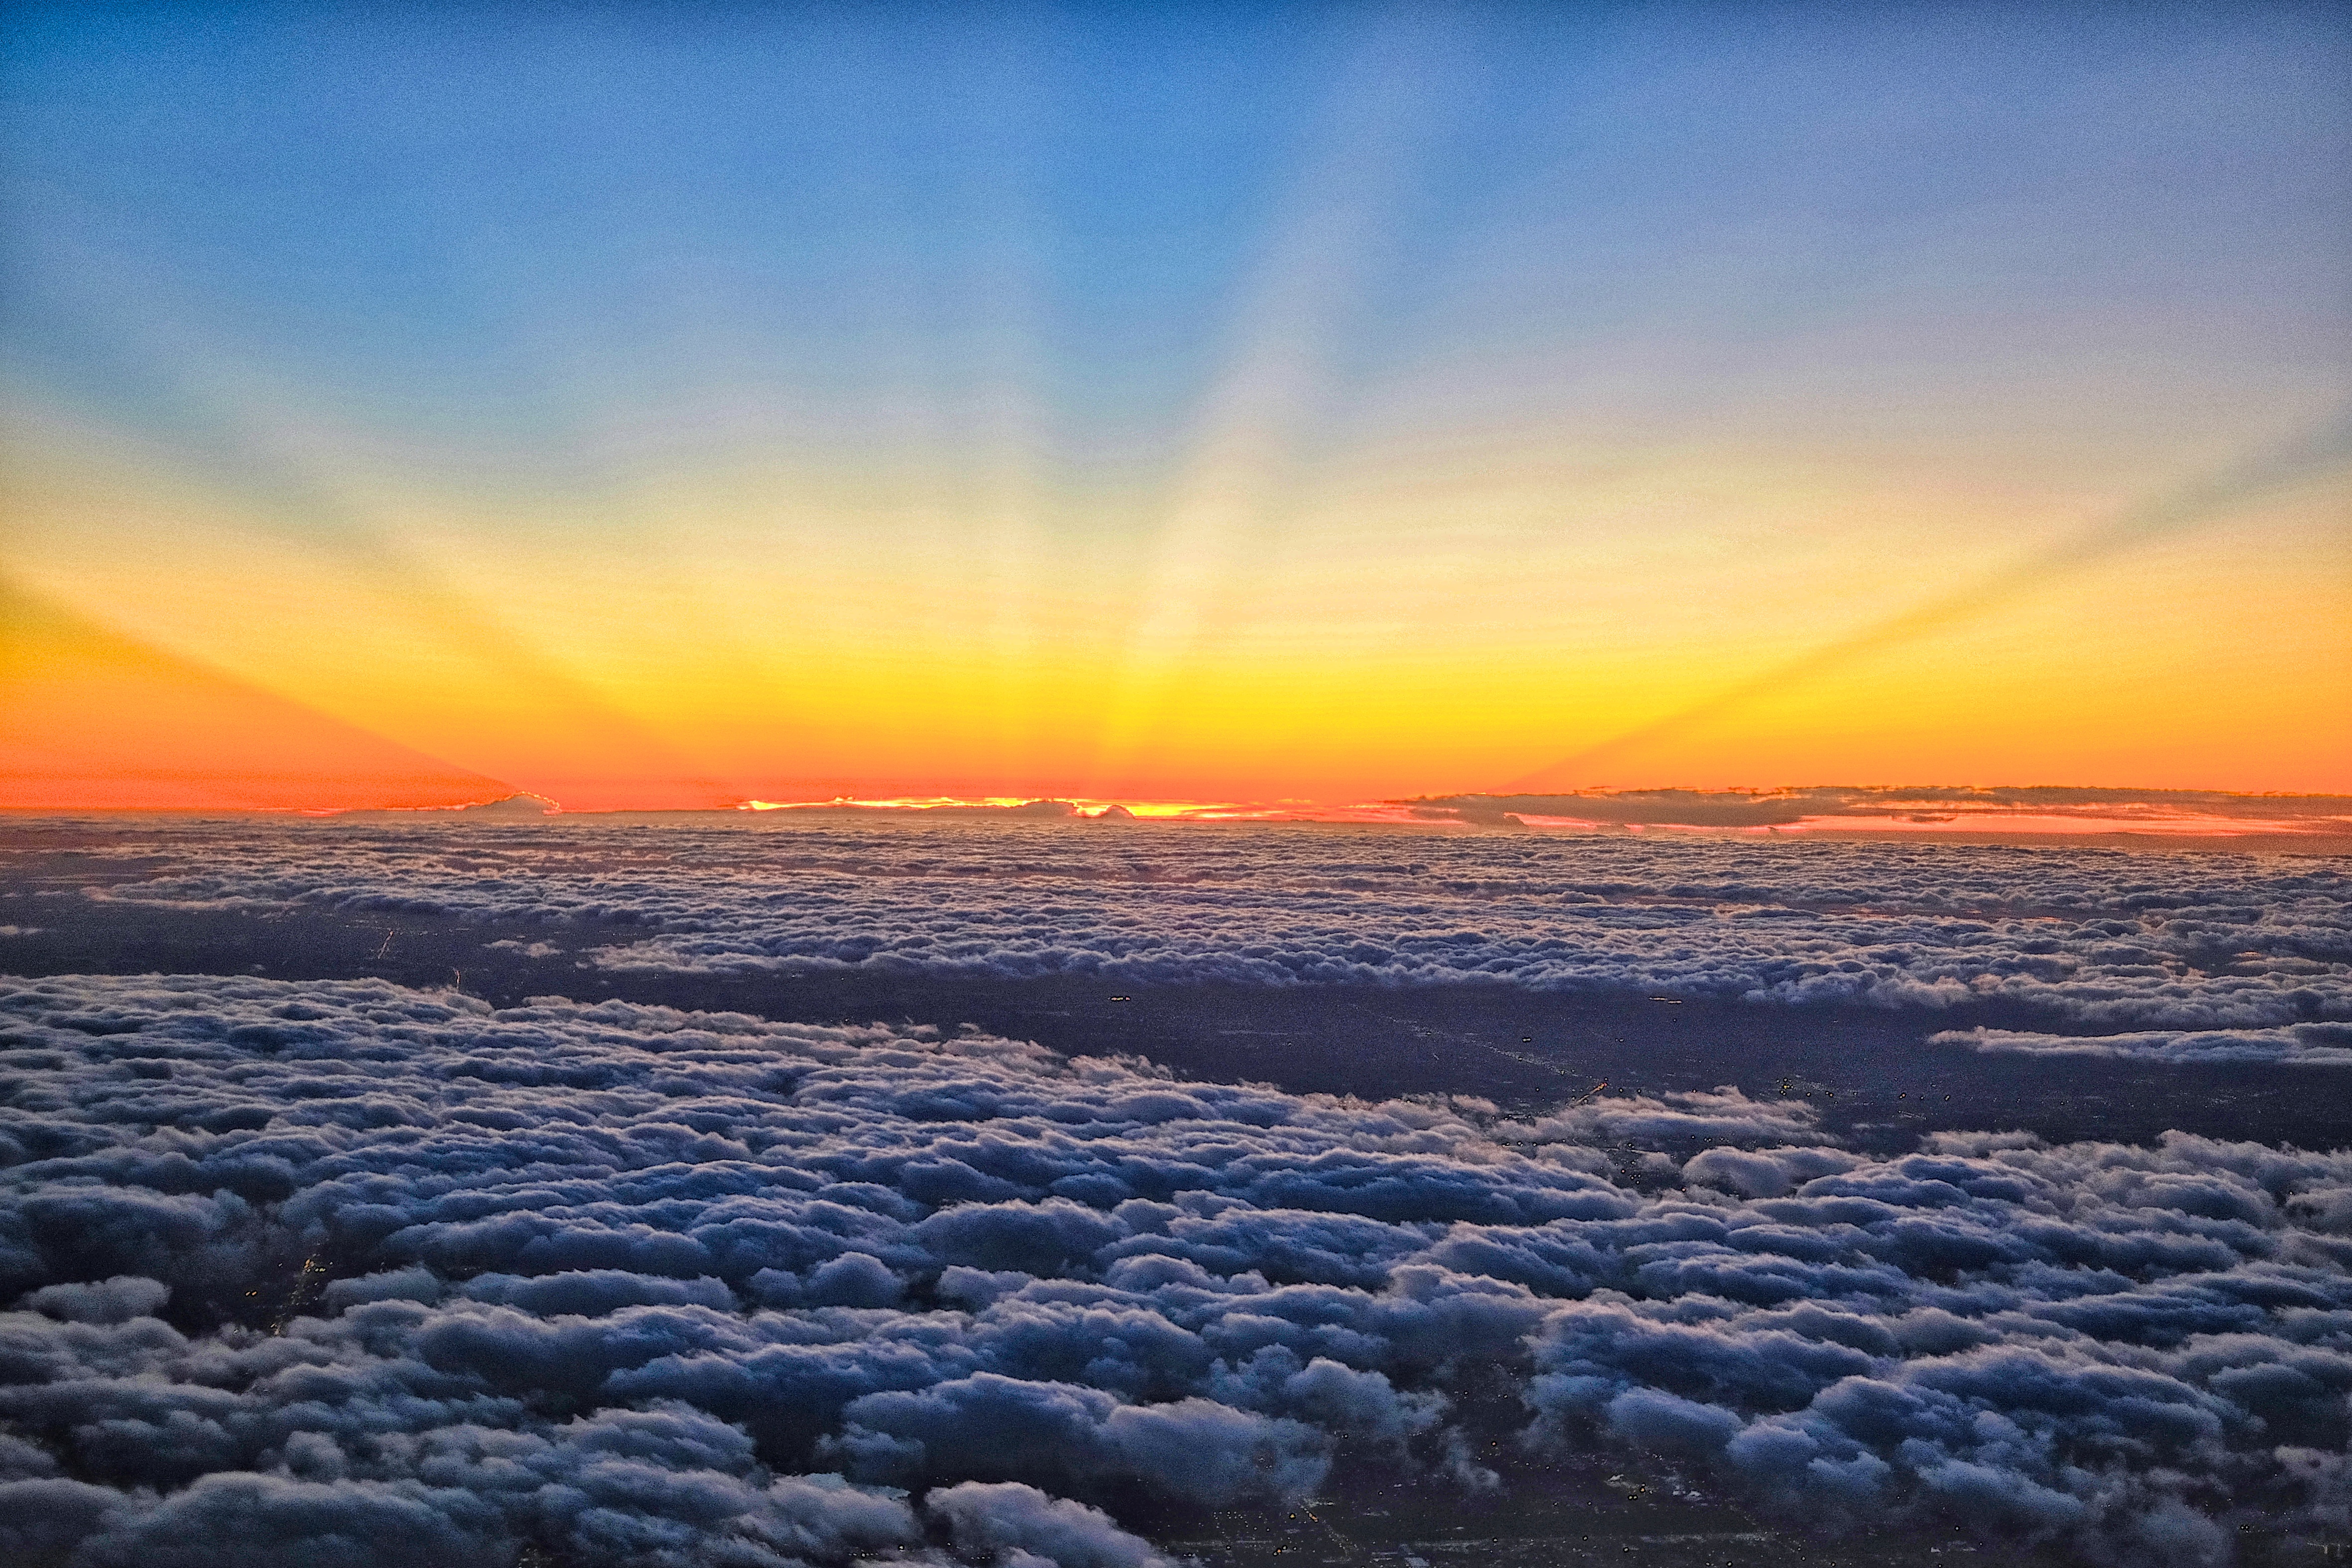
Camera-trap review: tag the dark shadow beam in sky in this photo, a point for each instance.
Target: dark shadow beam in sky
(2310, 457)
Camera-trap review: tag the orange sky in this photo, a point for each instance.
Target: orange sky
(96, 719)
(231, 669)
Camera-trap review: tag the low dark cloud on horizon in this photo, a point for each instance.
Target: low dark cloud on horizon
(2097, 809)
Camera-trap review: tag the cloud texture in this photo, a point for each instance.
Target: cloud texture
(2103, 941)
(2097, 809)
(339, 1268)
(2316, 1044)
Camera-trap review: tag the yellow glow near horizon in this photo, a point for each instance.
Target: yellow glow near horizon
(1386, 639)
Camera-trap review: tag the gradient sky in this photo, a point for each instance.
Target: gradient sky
(673, 405)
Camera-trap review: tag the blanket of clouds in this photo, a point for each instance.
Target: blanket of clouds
(341, 1273)
(2138, 948)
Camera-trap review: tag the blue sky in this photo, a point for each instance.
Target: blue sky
(899, 204)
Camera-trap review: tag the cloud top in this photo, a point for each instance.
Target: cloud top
(334, 1268)
(2101, 942)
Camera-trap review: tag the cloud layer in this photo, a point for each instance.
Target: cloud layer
(2314, 1044)
(2101, 942)
(335, 1269)
(2041, 808)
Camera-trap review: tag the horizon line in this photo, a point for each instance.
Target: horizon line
(1914, 812)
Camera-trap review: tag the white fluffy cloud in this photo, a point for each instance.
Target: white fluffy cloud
(2312, 1044)
(2102, 941)
(338, 1270)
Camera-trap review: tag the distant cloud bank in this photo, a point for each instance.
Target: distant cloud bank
(2132, 948)
(1965, 812)
(336, 1268)
(1927, 810)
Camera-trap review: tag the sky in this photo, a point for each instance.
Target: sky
(665, 406)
